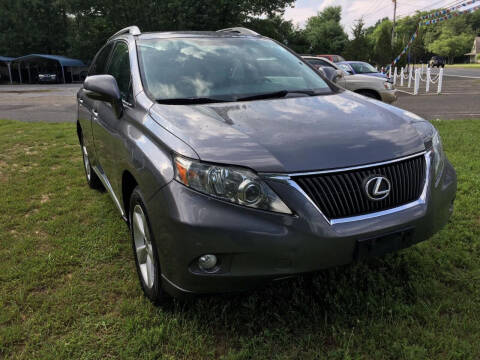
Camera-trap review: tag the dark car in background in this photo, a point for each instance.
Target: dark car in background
(436, 61)
(361, 68)
(234, 162)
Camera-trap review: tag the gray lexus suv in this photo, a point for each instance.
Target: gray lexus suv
(234, 162)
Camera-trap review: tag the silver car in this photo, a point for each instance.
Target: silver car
(377, 88)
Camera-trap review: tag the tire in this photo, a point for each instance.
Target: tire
(145, 251)
(92, 178)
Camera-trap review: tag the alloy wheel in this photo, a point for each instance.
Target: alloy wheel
(143, 246)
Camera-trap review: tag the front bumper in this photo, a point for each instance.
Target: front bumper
(255, 246)
(389, 96)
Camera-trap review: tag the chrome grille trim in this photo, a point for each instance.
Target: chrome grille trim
(287, 178)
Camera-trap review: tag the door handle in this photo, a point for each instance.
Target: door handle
(95, 113)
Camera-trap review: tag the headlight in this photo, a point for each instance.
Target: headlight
(239, 186)
(432, 140)
(388, 85)
(438, 154)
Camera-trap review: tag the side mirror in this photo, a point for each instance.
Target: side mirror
(104, 88)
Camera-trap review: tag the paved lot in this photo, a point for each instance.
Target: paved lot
(459, 98)
(50, 103)
(475, 73)
(57, 103)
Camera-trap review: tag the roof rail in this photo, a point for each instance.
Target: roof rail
(132, 30)
(239, 30)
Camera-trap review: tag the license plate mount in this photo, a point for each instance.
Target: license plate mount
(381, 245)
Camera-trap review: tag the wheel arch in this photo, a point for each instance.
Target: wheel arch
(79, 132)
(373, 92)
(129, 183)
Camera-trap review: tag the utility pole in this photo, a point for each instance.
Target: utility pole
(394, 18)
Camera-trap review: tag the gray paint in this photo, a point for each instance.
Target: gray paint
(271, 136)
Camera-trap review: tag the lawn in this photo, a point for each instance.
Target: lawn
(68, 287)
(466, 66)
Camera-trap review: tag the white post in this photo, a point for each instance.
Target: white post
(390, 72)
(410, 77)
(10, 72)
(20, 71)
(395, 76)
(427, 87)
(401, 76)
(440, 81)
(417, 82)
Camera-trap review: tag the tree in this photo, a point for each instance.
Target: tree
(32, 26)
(283, 31)
(450, 44)
(325, 33)
(382, 43)
(358, 48)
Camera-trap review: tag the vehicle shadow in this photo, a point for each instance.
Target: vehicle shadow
(365, 290)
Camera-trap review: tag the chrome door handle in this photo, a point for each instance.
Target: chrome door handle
(95, 113)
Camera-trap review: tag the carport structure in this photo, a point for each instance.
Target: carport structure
(5, 62)
(29, 66)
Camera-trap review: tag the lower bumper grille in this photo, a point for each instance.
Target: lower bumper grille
(344, 194)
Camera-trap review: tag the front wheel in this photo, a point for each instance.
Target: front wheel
(145, 250)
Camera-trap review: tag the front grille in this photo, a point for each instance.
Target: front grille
(342, 194)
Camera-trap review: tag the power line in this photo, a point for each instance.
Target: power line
(432, 7)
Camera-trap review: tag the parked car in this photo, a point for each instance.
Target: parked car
(333, 58)
(374, 87)
(234, 162)
(47, 77)
(361, 68)
(437, 61)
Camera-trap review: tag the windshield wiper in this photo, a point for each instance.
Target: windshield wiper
(277, 94)
(190, 101)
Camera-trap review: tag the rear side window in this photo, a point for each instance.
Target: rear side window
(119, 68)
(99, 65)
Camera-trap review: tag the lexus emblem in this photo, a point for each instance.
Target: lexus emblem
(377, 188)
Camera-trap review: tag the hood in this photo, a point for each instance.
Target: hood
(379, 75)
(365, 78)
(293, 134)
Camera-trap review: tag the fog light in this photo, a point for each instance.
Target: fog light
(207, 262)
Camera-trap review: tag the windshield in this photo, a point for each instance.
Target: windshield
(363, 68)
(222, 68)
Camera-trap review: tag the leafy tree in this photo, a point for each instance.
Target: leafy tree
(382, 43)
(359, 47)
(283, 31)
(32, 26)
(450, 44)
(325, 33)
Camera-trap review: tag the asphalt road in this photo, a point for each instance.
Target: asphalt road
(459, 98)
(471, 73)
(50, 103)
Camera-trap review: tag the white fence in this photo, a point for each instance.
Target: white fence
(418, 76)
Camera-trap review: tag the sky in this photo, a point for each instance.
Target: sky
(371, 10)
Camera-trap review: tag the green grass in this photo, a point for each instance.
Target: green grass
(68, 287)
(466, 66)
